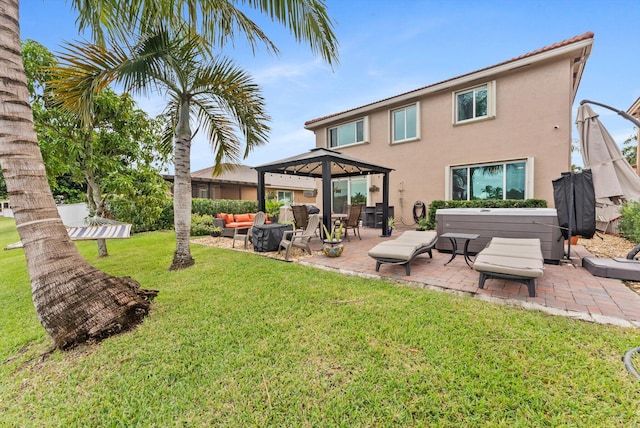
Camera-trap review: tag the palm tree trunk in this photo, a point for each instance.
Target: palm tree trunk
(182, 191)
(74, 301)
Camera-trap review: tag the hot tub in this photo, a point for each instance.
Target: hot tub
(539, 223)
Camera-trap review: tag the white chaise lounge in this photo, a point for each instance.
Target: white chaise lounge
(513, 259)
(403, 249)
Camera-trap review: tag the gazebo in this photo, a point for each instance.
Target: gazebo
(326, 164)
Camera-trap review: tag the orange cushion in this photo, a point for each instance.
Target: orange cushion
(228, 219)
(241, 218)
(252, 216)
(221, 215)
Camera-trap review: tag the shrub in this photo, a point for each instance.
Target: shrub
(230, 206)
(484, 203)
(144, 214)
(202, 206)
(629, 224)
(201, 225)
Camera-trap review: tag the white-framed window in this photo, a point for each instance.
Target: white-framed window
(497, 180)
(204, 193)
(285, 197)
(405, 124)
(349, 133)
(476, 103)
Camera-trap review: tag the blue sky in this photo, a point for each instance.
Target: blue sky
(390, 47)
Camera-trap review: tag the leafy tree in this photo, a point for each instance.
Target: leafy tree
(630, 149)
(117, 149)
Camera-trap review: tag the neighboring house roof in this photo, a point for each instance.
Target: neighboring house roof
(634, 110)
(247, 175)
(580, 44)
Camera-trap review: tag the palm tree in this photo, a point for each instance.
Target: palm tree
(73, 300)
(220, 96)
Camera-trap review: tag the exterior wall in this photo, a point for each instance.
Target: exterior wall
(533, 120)
(239, 192)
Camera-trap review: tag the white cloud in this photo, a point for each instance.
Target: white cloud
(278, 72)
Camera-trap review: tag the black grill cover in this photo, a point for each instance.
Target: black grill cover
(267, 237)
(573, 195)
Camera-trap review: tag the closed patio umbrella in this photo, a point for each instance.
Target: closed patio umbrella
(613, 178)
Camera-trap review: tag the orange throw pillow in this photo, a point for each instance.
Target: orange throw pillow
(242, 218)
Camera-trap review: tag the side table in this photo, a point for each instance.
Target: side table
(453, 238)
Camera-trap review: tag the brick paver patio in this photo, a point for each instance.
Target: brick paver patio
(566, 289)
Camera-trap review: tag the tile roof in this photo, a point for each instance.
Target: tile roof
(243, 174)
(567, 42)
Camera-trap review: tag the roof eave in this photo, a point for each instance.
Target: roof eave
(634, 110)
(583, 45)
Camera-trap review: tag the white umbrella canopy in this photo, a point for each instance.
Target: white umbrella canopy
(613, 178)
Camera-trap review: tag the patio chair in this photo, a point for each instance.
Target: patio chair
(352, 221)
(513, 259)
(244, 233)
(403, 249)
(300, 216)
(299, 238)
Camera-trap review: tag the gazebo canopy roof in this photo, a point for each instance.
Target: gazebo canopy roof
(310, 165)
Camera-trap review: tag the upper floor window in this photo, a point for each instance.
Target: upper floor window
(349, 133)
(505, 180)
(405, 123)
(474, 103)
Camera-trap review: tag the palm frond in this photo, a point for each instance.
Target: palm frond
(307, 20)
(84, 71)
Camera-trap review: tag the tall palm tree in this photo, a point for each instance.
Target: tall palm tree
(219, 96)
(73, 300)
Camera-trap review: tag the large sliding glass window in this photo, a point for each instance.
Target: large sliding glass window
(348, 192)
(349, 133)
(489, 181)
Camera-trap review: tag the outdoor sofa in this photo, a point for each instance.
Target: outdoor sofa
(403, 249)
(514, 259)
(230, 222)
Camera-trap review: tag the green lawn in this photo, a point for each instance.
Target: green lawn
(243, 340)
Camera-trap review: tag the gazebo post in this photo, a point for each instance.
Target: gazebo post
(326, 194)
(385, 204)
(261, 203)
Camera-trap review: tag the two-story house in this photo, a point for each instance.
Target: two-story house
(502, 132)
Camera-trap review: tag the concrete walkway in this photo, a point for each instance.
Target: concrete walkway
(566, 289)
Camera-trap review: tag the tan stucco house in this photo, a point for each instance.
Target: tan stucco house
(241, 183)
(500, 132)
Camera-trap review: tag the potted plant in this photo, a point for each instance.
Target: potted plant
(216, 231)
(332, 246)
(272, 206)
(391, 222)
(423, 224)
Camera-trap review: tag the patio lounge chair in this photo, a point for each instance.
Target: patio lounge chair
(514, 259)
(299, 238)
(403, 249)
